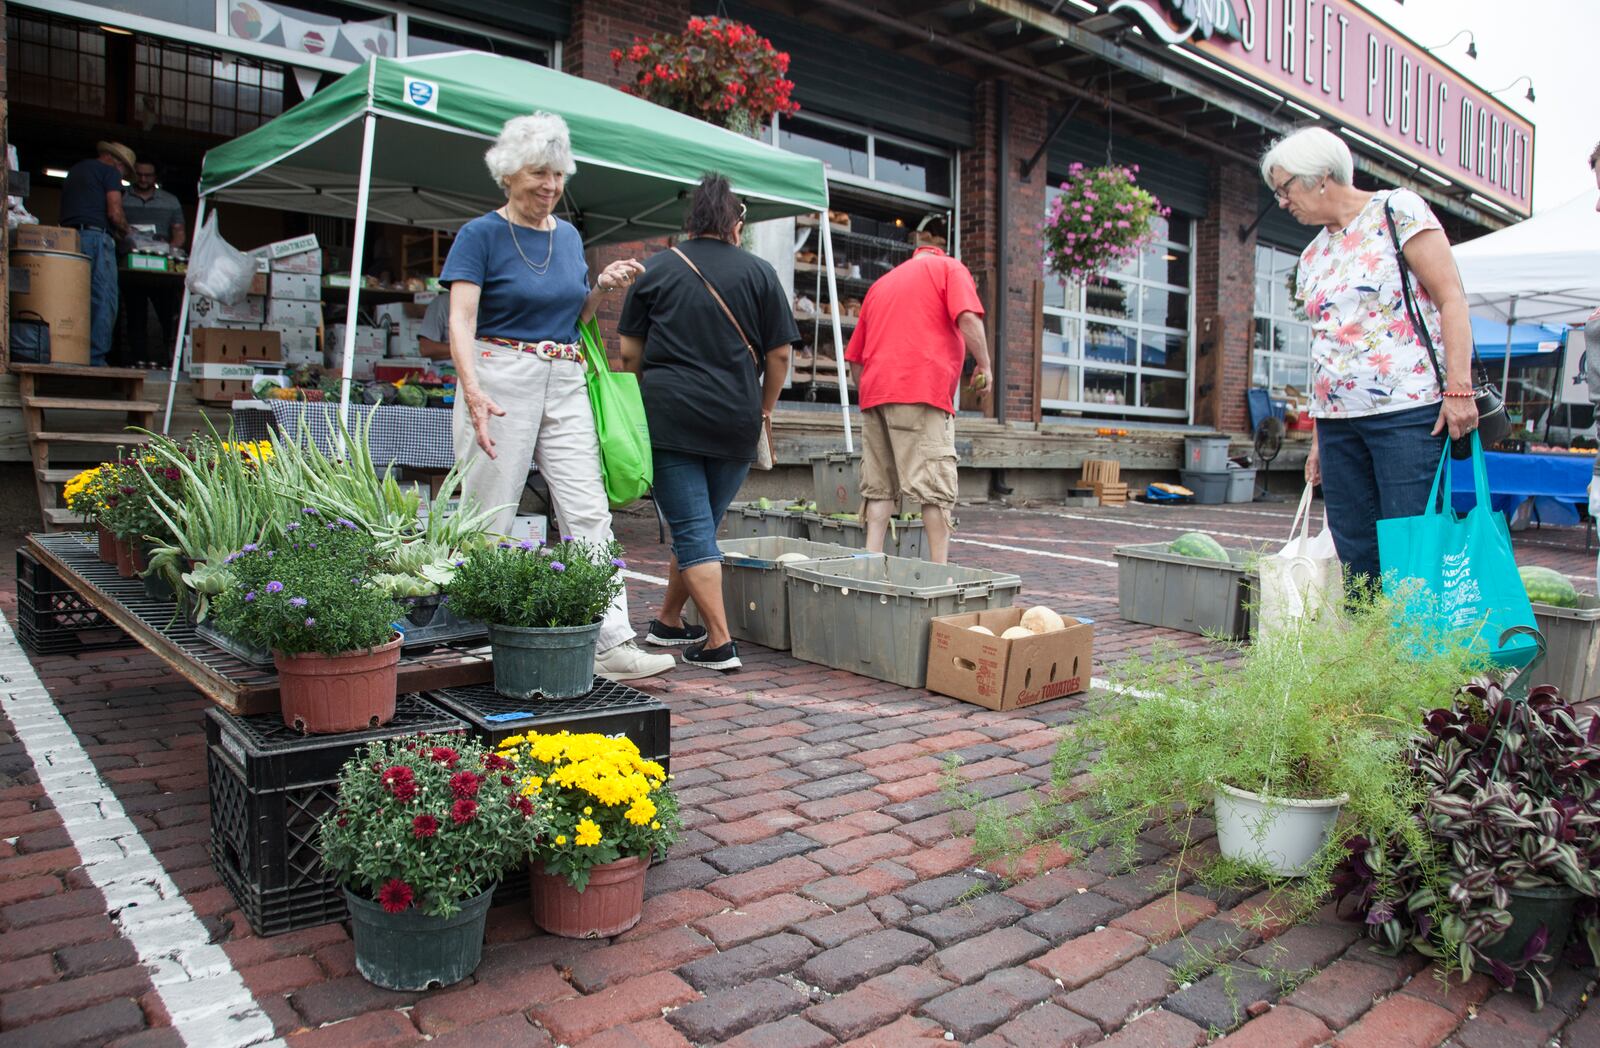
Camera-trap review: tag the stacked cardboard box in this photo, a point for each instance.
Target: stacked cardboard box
(294, 308)
(369, 347)
(403, 322)
(226, 362)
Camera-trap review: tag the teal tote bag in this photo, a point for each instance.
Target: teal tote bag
(626, 463)
(1464, 565)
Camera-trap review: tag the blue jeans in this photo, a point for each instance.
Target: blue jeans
(102, 252)
(693, 492)
(1375, 468)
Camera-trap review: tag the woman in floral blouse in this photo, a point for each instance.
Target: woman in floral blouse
(1381, 418)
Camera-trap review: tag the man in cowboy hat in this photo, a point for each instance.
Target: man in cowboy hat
(91, 203)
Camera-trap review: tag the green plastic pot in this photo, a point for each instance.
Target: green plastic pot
(555, 663)
(413, 951)
(1550, 906)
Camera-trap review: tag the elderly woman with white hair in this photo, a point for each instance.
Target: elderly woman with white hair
(519, 288)
(1383, 397)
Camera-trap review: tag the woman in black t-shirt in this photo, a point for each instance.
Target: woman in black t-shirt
(710, 381)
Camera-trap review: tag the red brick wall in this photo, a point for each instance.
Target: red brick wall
(1225, 284)
(1015, 275)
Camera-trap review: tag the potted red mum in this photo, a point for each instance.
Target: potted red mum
(423, 829)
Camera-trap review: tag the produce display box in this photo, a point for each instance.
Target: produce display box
(904, 538)
(1572, 648)
(755, 592)
(1005, 674)
(269, 785)
(745, 520)
(1161, 588)
(609, 709)
(871, 616)
(52, 620)
(836, 478)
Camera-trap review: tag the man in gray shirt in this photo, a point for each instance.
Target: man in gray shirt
(155, 218)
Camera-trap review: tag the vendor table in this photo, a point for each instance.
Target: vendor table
(1558, 484)
(400, 436)
(235, 685)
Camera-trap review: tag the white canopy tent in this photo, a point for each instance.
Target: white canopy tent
(1545, 270)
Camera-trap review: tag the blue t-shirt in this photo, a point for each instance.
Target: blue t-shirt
(517, 302)
(83, 198)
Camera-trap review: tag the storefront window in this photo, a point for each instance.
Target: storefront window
(864, 158)
(1120, 344)
(1281, 354)
(197, 89)
(56, 63)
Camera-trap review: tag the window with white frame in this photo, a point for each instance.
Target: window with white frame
(1120, 345)
(1281, 351)
(855, 156)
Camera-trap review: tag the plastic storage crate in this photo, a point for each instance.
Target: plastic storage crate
(1210, 489)
(269, 785)
(755, 593)
(1205, 454)
(1241, 485)
(1183, 593)
(905, 538)
(1572, 648)
(52, 619)
(747, 521)
(608, 709)
(872, 616)
(836, 478)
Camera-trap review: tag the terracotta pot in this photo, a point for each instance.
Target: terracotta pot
(352, 691)
(610, 905)
(107, 544)
(124, 559)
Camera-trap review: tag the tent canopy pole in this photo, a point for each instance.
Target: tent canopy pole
(183, 326)
(838, 330)
(357, 250)
(1511, 322)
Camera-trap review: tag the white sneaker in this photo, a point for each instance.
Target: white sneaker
(627, 661)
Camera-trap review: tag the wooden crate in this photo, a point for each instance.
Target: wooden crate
(1111, 494)
(1098, 471)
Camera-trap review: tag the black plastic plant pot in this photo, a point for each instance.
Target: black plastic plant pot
(1550, 906)
(413, 951)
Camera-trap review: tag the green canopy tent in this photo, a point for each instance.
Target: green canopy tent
(402, 141)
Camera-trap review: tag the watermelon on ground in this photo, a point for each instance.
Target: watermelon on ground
(1198, 545)
(1547, 586)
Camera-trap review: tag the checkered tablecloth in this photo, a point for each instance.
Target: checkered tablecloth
(414, 437)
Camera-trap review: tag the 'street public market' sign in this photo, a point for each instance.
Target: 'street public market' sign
(1346, 63)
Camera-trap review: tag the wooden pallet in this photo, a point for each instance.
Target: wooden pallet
(113, 397)
(1111, 494)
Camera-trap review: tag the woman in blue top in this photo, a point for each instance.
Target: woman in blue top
(519, 288)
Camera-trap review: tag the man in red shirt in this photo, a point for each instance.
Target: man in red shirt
(916, 324)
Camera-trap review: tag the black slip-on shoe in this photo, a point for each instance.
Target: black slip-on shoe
(725, 658)
(664, 636)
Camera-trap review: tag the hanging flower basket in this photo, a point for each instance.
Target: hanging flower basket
(1102, 218)
(723, 72)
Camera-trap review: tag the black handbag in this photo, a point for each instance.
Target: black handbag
(30, 339)
(1493, 426)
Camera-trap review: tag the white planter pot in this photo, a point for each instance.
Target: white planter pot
(1283, 835)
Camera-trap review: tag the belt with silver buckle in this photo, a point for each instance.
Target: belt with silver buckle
(545, 350)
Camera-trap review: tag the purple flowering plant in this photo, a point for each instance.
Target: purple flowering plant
(1101, 219)
(528, 585)
(308, 596)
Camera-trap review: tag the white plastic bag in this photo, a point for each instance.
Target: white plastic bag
(1302, 581)
(217, 269)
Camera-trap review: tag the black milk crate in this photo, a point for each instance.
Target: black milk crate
(269, 785)
(52, 619)
(608, 709)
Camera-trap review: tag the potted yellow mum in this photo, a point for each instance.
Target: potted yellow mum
(610, 810)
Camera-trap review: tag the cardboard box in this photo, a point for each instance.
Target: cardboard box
(279, 250)
(260, 283)
(294, 312)
(368, 340)
(534, 526)
(299, 287)
(223, 361)
(33, 237)
(1006, 674)
(307, 262)
(300, 345)
(403, 321)
(252, 309)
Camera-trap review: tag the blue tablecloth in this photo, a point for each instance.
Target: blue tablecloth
(1557, 483)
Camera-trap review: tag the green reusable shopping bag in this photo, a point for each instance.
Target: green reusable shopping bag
(1464, 564)
(626, 464)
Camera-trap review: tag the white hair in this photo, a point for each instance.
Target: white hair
(536, 140)
(1309, 154)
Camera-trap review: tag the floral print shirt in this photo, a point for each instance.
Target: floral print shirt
(1365, 357)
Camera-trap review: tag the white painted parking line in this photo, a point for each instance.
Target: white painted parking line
(1036, 552)
(205, 997)
(654, 580)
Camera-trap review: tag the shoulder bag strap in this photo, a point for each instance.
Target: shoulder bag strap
(1413, 313)
(725, 310)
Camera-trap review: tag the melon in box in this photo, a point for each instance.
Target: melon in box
(1004, 674)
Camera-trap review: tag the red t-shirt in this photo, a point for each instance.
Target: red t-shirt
(906, 342)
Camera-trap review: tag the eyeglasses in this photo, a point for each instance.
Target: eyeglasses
(742, 210)
(1282, 192)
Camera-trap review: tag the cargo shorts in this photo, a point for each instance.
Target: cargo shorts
(909, 450)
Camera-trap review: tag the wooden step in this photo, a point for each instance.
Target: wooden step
(50, 437)
(64, 517)
(78, 371)
(56, 476)
(143, 407)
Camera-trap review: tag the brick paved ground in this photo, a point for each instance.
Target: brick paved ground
(823, 894)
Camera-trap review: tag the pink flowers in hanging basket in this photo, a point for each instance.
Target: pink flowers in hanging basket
(1101, 218)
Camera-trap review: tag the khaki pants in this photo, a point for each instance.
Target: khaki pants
(910, 450)
(547, 421)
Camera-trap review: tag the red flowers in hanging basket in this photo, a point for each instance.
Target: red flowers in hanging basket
(723, 72)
